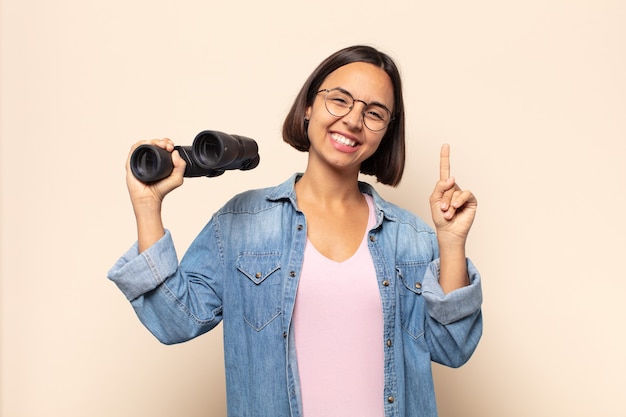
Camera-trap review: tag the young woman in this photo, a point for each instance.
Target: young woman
(334, 301)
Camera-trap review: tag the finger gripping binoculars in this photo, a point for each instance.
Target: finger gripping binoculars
(210, 155)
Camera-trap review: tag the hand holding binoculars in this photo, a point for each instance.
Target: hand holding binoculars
(210, 155)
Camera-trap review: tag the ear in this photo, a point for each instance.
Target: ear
(307, 113)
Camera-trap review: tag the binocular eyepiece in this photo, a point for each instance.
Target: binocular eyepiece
(210, 155)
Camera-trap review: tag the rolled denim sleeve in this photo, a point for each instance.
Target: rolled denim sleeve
(454, 320)
(138, 273)
(457, 304)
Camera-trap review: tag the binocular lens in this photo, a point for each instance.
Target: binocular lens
(208, 152)
(149, 162)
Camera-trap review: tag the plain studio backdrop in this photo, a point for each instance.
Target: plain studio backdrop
(531, 96)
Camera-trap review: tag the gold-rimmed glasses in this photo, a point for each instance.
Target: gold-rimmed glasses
(339, 102)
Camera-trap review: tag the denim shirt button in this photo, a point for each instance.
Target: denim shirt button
(386, 283)
(300, 227)
(372, 238)
(292, 274)
(390, 399)
(389, 343)
(418, 285)
(258, 275)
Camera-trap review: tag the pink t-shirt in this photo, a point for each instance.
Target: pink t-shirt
(338, 327)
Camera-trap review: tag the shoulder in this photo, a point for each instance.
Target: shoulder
(261, 199)
(395, 214)
(247, 202)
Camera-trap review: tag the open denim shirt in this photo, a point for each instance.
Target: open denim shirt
(243, 270)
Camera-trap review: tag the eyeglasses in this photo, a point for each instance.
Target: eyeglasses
(339, 103)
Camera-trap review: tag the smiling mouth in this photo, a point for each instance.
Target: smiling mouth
(343, 140)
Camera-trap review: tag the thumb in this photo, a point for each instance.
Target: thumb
(179, 164)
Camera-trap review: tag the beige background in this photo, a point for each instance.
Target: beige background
(531, 95)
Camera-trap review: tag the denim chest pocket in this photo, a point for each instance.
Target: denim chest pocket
(261, 287)
(412, 305)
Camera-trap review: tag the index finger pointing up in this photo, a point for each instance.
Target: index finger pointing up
(444, 162)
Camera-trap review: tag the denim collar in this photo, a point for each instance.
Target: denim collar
(287, 191)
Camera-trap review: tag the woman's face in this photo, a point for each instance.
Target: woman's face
(346, 141)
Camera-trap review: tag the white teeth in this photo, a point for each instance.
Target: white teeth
(343, 140)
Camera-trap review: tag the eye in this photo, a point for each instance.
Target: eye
(339, 99)
(376, 113)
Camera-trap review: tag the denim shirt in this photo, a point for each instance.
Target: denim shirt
(243, 270)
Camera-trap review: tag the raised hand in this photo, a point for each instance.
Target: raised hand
(453, 209)
(149, 193)
(147, 198)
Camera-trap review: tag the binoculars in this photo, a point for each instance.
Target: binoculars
(210, 155)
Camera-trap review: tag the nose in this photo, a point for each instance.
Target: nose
(354, 118)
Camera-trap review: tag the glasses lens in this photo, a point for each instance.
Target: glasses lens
(376, 117)
(338, 103)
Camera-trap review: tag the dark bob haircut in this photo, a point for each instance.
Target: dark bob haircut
(387, 163)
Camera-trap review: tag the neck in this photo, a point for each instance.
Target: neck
(328, 187)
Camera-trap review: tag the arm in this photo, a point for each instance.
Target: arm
(149, 274)
(452, 286)
(174, 302)
(453, 319)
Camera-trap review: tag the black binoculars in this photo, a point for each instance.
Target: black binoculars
(210, 155)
